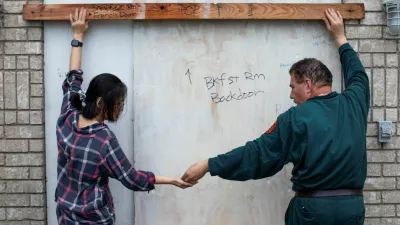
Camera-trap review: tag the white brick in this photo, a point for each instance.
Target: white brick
(14, 173)
(10, 117)
(378, 83)
(36, 90)
(374, 170)
(36, 103)
(389, 221)
(36, 62)
(398, 128)
(36, 145)
(25, 214)
(372, 143)
(363, 31)
(1, 117)
(378, 114)
(372, 197)
(10, 94)
(391, 196)
(37, 223)
(13, 6)
(36, 77)
(13, 145)
(14, 200)
(378, 59)
(2, 215)
(391, 170)
(391, 86)
(13, 20)
(392, 60)
(2, 186)
(20, 222)
(391, 114)
(377, 45)
(374, 18)
(380, 183)
(372, 129)
(36, 117)
(370, 5)
(366, 59)
(29, 186)
(32, 131)
(15, 34)
(22, 62)
(13, 48)
(35, 33)
(24, 159)
(395, 144)
(1, 90)
(23, 117)
(36, 173)
(380, 210)
(10, 62)
(2, 159)
(37, 200)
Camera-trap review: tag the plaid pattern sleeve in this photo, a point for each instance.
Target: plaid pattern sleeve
(117, 166)
(72, 83)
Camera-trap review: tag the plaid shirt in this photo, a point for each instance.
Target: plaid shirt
(87, 157)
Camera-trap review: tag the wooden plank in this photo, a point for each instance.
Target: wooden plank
(158, 11)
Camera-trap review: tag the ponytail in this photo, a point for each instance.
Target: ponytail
(77, 99)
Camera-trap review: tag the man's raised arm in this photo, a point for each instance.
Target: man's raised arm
(355, 77)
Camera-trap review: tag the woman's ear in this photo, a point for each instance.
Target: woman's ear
(99, 102)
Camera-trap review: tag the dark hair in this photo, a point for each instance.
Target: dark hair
(313, 69)
(106, 86)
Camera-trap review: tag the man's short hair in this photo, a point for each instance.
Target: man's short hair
(313, 69)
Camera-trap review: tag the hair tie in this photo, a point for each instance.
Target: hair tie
(82, 97)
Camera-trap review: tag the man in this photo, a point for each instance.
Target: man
(324, 137)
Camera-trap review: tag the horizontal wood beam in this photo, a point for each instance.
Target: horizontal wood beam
(163, 11)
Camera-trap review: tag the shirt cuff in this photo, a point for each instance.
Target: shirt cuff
(151, 180)
(345, 46)
(213, 166)
(74, 75)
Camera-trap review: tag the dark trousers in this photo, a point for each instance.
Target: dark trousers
(340, 210)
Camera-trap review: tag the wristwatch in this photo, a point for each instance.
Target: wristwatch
(76, 43)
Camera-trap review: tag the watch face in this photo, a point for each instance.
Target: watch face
(75, 43)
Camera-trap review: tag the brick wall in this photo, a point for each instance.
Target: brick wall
(379, 53)
(22, 160)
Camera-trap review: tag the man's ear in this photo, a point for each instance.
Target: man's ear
(308, 83)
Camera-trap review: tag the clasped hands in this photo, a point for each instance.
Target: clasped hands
(193, 174)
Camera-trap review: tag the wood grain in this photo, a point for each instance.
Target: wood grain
(157, 11)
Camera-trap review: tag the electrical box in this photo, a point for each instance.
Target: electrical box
(385, 131)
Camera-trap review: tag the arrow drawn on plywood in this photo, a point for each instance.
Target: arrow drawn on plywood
(189, 74)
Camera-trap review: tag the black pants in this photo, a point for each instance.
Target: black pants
(340, 210)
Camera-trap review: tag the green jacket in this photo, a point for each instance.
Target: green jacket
(324, 138)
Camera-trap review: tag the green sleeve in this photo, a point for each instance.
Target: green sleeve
(355, 77)
(260, 158)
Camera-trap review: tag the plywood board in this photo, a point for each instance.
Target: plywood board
(204, 88)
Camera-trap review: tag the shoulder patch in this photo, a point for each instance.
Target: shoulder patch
(271, 129)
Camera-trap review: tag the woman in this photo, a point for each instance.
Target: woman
(88, 151)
